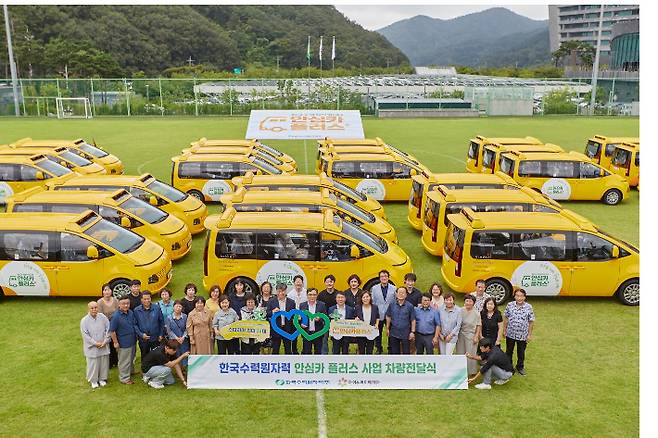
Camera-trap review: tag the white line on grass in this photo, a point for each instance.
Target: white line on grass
(322, 414)
(141, 166)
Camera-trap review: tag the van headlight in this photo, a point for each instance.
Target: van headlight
(153, 279)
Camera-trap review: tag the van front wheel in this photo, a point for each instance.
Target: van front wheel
(499, 289)
(120, 287)
(197, 194)
(612, 197)
(629, 292)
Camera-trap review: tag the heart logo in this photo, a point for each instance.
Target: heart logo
(302, 330)
(287, 315)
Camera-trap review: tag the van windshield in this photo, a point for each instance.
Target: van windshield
(271, 150)
(112, 235)
(488, 158)
(75, 159)
(167, 191)
(634, 248)
(362, 236)
(353, 210)
(473, 150)
(350, 191)
(507, 165)
(267, 167)
(454, 244)
(52, 167)
(92, 150)
(593, 149)
(267, 157)
(621, 157)
(143, 210)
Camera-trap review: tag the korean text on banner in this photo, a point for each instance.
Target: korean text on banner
(304, 124)
(327, 372)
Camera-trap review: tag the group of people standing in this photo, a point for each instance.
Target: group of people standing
(416, 323)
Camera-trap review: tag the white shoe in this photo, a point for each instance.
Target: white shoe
(102, 383)
(145, 378)
(94, 385)
(483, 386)
(156, 385)
(501, 381)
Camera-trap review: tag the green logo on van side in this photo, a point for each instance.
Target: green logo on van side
(280, 277)
(214, 191)
(535, 280)
(22, 280)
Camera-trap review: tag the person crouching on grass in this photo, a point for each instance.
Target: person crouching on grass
(158, 363)
(496, 365)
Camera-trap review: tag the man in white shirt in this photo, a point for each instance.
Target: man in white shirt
(95, 330)
(383, 294)
(298, 295)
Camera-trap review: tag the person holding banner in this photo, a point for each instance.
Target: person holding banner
(199, 328)
(469, 332)
(249, 345)
(451, 321)
(368, 313)
(285, 304)
(158, 363)
(428, 326)
(298, 295)
(341, 311)
(175, 328)
(224, 316)
(400, 323)
(383, 294)
(314, 324)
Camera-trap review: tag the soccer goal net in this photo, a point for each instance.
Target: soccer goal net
(73, 108)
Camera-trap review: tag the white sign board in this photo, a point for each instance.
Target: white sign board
(304, 124)
(327, 372)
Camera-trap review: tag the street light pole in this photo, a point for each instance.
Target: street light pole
(595, 68)
(12, 64)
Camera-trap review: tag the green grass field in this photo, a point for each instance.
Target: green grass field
(583, 365)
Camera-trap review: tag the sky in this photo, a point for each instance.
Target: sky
(374, 17)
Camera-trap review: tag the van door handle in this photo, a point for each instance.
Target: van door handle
(49, 267)
(577, 267)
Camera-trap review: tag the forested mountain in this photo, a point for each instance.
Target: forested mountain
(115, 40)
(494, 37)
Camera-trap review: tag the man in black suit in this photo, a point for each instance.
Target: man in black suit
(281, 302)
(341, 311)
(315, 324)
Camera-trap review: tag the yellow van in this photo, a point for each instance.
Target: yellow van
(492, 153)
(208, 176)
(275, 247)
(421, 184)
(111, 163)
(145, 187)
(62, 156)
(383, 177)
(565, 176)
(119, 207)
(249, 151)
(477, 144)
(262, 147)
(545, 254)
(308, 202)
(600, 148)
(626, 162)
(57, 254)
(442, 202)
(359, 146)
(18, 173)
(313, 183)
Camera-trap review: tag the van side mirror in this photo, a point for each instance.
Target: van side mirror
(40, 175)
(413, 172)
(92, 252)
(65, 164)
(259, 172)
(125, 222)
(153, 201)
(354, 252)
(615, 252)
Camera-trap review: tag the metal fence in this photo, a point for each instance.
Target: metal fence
(237, 97)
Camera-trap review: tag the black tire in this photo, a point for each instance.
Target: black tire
(612, 197)
(197, 194)
(499, 289)
(629, 292)
(120, 287)
(250, 286)
(2, 294)
(372, 282)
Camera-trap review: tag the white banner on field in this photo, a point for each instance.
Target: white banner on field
(327, 372)
(304, 124)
